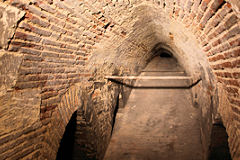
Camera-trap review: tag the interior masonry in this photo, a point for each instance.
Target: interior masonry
(120, 79)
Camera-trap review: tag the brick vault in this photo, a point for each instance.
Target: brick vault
(56, 57)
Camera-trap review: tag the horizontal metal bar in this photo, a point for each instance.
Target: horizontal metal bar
(148, 77)
(160, 82)
(163, 71)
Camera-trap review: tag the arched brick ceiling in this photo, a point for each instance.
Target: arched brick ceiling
(58, 43)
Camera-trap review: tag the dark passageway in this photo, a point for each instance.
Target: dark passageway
(148, 78)
(219, 149)
(65, 151)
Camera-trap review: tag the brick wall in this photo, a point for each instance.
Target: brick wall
(217, 29)
(50, 48)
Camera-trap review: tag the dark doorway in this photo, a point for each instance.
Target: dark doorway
(219, 149)
(65, 151)
(165, 55)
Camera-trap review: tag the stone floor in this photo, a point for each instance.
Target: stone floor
(157, 124)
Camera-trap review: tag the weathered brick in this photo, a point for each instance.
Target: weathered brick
(29, 70)
(235, 101)
(24, 152)
(79, 62)
(56, 82)
(70, 70)
(56, 62)
(71, 20)
(69, 56)
(205, 19)
(232, 53)
(25, 85)
(58, 29)
(32, 58)
(235, 30)
(37, 20)
(52, 43)
(232, 20)
(216, 4)
(61, 5)
(56, 21)
(34, 29)
(61, 15)
(235, 41)
(231, 82)
(47, 95)
(70, 33)
(49, 54)
(29, 64)
(69, 61)
(72, 41)
(236, 63)
(33, 132)
(19, 4)
(36, 11)
(53, 70)
(237, 111)
(58, 50)
(236, 75)
(195, 6)
(204, 5)
(71, 47)
(222, 65)
(232, 91)
(90, 42)
(71, 27)
(51, 107)
(17, 45)
(216, 58)
(44, 6)
(36, 77)
(220, 48)
(27, 37)
(30, 51)
(80, 53)
(61, 76)
(36, 154)
(53, 60)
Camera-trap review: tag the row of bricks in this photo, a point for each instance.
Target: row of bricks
(48, 83)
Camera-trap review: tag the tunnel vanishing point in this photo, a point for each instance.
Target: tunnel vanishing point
(120, 79)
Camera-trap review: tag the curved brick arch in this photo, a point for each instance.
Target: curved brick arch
(70, 102)
(56, 42)
(216, 27)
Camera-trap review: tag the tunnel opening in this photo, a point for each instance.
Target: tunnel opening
(165, 55)
(162, 50)
(219, 149)
(66, 147)
(163, 60)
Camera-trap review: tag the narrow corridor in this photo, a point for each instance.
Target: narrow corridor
(157, 123)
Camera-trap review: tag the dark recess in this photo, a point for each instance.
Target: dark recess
(165, 55)
(115, 114)
(65, 151)
(219, 149)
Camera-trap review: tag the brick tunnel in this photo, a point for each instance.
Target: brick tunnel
(70, 67)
